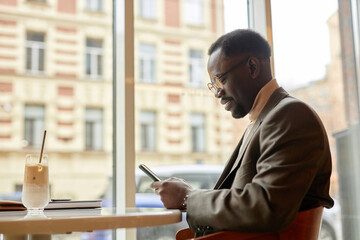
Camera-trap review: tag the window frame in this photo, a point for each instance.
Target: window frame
(94, 5)
(189, 6)
(148, 124)
(123, 111)
(196, 67)
(147, 63)
(198, 132)
(144, 13)
(35, 48)
(37, 122)
(96, 56)
(94, 139)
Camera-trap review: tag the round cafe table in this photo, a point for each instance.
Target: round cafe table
(84, 220)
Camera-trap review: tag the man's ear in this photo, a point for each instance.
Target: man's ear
(254, 67)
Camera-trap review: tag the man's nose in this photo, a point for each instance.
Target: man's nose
(219, 93)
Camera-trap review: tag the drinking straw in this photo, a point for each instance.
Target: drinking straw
(42, 147)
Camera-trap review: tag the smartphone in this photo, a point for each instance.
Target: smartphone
(148, 172)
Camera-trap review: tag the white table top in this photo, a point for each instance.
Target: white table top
(84, 220)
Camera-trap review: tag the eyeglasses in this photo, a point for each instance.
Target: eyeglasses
(216, 84)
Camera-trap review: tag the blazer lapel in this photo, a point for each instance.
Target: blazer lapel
(236, 157)
(229, 165)
(246, 143)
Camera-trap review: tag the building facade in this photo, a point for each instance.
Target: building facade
(56, 69)
(326, 96)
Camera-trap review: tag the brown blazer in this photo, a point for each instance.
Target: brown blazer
(284, 167)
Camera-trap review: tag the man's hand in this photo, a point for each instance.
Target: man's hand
(172, 192)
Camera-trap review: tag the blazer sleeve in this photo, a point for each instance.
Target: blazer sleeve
(291, 154)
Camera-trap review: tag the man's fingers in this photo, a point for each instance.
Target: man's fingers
(156, 184)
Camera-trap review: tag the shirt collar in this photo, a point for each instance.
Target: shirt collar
(261, 99)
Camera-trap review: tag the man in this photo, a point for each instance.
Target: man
(282, 164)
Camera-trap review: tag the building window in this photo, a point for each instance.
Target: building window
(38, 1)
(196, 68)
(193, 12)
(35, 52)
(94, 5)
(147, 9)
(94, 129)
(34, 125)
(147, 53)
(197, 123)
(94, 58)
(148, 130)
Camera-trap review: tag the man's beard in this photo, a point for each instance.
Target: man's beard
(238, 111)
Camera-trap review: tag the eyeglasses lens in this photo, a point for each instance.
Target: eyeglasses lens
(218, 83)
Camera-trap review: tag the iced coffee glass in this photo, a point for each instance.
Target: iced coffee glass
(35, 194)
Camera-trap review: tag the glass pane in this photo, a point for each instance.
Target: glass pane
(147, 8)
(99, 65)
(41, 59)
(148, 130)
(196, 68)
(94, 56)
(147, 55)
(28, 58)
(171, 53)
(59, 51)
(94, 43)
(38, 37)
(236, 14)
(309, 63)
(94, 129)
(193, 12)
(88, 64)
(35, 50)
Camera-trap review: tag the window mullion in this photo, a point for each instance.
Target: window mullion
(123, 110)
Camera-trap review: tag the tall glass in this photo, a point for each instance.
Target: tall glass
(35, 194)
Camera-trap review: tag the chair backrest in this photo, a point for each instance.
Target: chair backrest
(306, 226)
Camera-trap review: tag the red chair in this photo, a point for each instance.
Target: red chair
(306, 226)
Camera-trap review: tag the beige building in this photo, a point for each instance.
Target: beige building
(326, 96)
(56, 74)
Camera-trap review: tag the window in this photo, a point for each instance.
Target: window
(147, 54)
(193, 12)
(94, 58)
(34, 124)
(55, 55)
(93, 129)
(94, 5)
(147, 9)
(197, 124)
(196, 68)
(148, 130)
(38, 1)
(35, 52)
